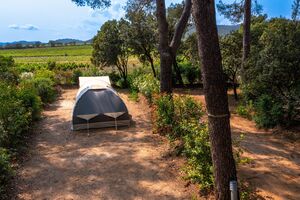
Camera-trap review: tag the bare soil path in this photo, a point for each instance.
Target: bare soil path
(127, 164)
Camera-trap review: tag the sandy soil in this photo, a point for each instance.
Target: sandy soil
(274, 170)
(127, 164)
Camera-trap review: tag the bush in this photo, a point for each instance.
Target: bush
(164, 113)
(147, 85)
(6, 172)
(93, 71)
(44, 87)
(190, 73)
(245, 110)
(44, 73)
(197, 150)
(7, 71)
(269, 113)
(14, 117)
(30, 100)
(51, 65)
(75, 77)
(178, 118)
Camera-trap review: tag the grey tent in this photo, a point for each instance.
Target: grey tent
(98, 105)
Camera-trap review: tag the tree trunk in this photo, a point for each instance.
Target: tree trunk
(246, 36)
(177, 71)
(215, 96)
(152, 66)
(236, 97)
(166, 51)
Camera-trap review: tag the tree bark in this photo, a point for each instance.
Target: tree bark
(246, 36)
(168, 51)
(215, 96)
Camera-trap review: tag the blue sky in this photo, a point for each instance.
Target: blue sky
(46, 20)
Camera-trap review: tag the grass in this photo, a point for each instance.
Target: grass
(78, 54)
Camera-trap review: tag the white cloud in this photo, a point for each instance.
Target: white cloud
(28, 27)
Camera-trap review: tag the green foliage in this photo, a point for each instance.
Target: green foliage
(51, 65)
(273, 71)
(30, 100)
(75, 77)
(142, 30)
(94, 4)
(147, 85)
(231, 49)
(45, 88)
(164, 114)
(190, 72)
(6, 172)
(197, 150)
(78, 54)
(45, 73)
(269, 113)
(134, 96)
(111, 47)
(7, 72)
(245, 110)
(178, 117)
(14, 117)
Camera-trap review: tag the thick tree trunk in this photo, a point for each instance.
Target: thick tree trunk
(215, 96)
(246, 36)
(166, 51)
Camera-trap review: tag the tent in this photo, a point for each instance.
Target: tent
(98, 105)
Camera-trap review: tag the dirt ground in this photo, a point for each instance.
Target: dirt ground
(127, 164)
(131, 164)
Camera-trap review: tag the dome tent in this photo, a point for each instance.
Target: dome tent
(98, 105)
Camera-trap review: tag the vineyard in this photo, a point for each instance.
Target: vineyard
(77, 54)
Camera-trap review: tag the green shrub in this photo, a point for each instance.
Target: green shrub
(51, 65)
(178, 118)
(30, 100)
(14, 117)
(190, 73)
(44, 87)
(75, 77)
(93, 71)
(7, 71)
(45, 73)
(245, 110)
(268, 113)
(147, 85)
(6, 172)
(134, 96)
(197, 151)
(164, 113)
(114, 77)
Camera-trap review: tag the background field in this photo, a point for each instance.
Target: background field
(77, 54)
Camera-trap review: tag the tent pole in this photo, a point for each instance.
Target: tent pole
(88, 127)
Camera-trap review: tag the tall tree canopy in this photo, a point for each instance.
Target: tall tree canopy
(236, 12)
(111, 47)
(142, 30)
(296, 10)
(93, 3)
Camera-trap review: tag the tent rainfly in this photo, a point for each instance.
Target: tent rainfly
(98, 105)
